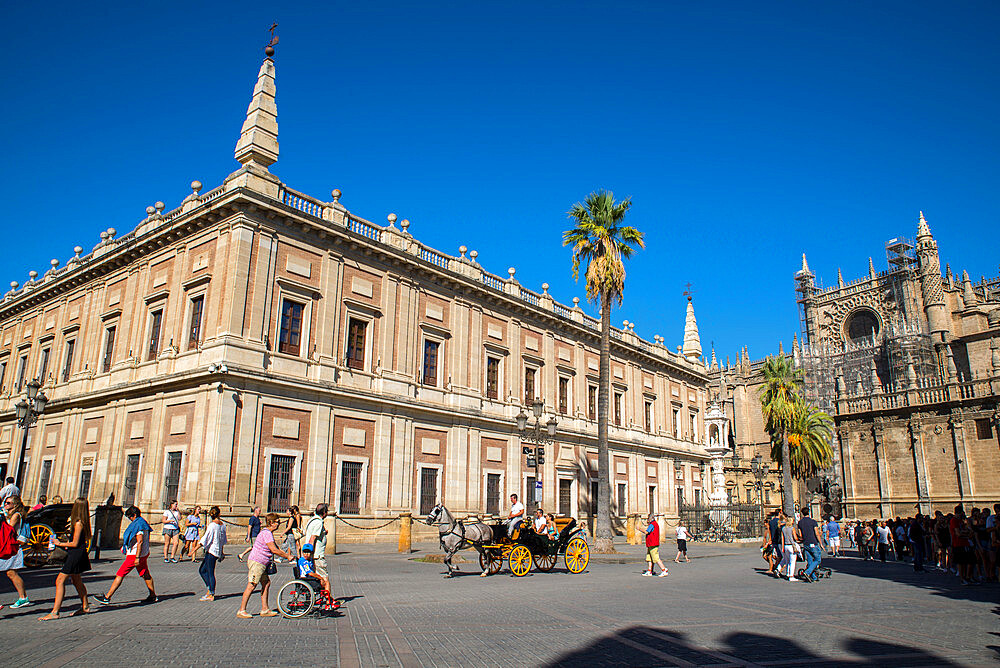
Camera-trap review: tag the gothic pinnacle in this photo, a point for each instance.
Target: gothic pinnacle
(692, 342)
(258, 143)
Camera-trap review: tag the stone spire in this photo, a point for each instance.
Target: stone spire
(968, 294)
(258, 143)
(715, 362)
(804, 271)
(692, 343)
(923, 229)
(871, 267)
(781, 349)
(840, 278)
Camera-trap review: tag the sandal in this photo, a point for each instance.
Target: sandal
(80, 611)
(243, 614)
(268, 613)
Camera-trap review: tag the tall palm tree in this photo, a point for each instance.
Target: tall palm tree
(601, 242)
(810, 437)
(778, 397)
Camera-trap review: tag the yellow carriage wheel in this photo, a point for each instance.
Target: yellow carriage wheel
(38, 542)
(577, 555)
(519, 560)
(545, 562)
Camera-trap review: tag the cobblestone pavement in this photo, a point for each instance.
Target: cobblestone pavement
(717, 610)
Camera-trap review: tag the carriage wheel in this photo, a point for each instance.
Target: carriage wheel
(577, 555)
(37, 548)
(519, 560)
(490, 562)
(296, 599)
(545, 562)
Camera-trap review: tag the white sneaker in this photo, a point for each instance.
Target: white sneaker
(647, 574)
(662, 574)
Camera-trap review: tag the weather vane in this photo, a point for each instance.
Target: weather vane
(269, 49)
(688, 292)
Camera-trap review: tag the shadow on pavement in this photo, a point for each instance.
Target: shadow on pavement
(938, 583)
(647, 646)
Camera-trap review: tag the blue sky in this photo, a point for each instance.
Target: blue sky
(746, 133)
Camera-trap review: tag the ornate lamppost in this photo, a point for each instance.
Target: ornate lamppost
(27, 415)
(540, 435)
(760, 469)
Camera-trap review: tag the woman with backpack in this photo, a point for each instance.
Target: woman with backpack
(76, 562)
(15, 533)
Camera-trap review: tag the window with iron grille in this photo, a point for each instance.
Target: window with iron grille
(651, 498)
(43, 477)
(618, 408)
(697, 497)
(3, 373)
(290, 333)
(109, 348)
(43, 364)
(171, 478)
(593, 497)
(694, 427)
(350, 487)
(431, 363)
(428, 489)
(563, 395)
(677, 423)
(492, 493)
(984, 430)
(22, 368)
(85, 483)
(131, 480)
(622, 509)
(155, 322)
(529, 492)
(356, 331)
(68, 362)
(565, 497)
(592, 402)
(279, 484)
(197, 308)
(680, 497)
(648, 414)
(767, 497)
(492, 377)
(529, 386)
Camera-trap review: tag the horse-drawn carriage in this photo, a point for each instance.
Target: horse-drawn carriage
(519, 551)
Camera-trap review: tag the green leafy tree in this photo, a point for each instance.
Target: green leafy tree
(601, 244)
(778, 400)
(810, 437)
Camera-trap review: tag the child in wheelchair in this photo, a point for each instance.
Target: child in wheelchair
(307, 568)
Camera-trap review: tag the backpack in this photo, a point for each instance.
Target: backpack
(9, 544)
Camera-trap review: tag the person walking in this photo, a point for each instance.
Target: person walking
(789, 550)
(192, 528)
(76, 562)
(135, 546)
(915, 533)
(9, 490)
(884, 540)
(682, 539)
(833, 536)
(14, 512)
(213, 541)
(652, 532)
(258, 566)
(293, 532)
(171, 532)
(253, 528)
(315, 535)
(810, 535)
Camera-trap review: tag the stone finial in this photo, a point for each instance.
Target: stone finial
(624, 324)
(859, 388)
(804, 274)
(952, 369)
(968, 294)
(405, 224)
(715, 362)
(150, 210)
(54, 262)
(77, 250)
(948, 275)
(392, 220)
(871, 267)
(335, 194)
(631, 327)
(195, 188)
(873, 371)
(104, 236)
(781, 348)
(576, 302)
(32, 274)
(14, 285)
(258, 143)
(511, 271)
(545, 289)
(473, 254)
(840, 278)
(111, 233)
(841, 386)
(462, 251)
(692, 342)
(159, 206)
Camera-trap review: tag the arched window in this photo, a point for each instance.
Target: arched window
(861, 323)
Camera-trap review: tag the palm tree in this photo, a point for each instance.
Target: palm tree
(809, 441)
(602, 243)
(778, 397)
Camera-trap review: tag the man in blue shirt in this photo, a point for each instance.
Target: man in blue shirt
(833, 532)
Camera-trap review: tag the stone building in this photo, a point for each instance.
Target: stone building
(256, 345)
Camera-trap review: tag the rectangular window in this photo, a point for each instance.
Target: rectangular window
(68, 361)
(85, 483)
(428, 490)
(565, 497)
(279, 484)
(43, 478)
(171, 478)
(694, 427)
(767, 497)
(43, 365)
(155, 322)
(357, 330)
(131, 480)
(492, 493)
(677, 423)
(618, 408)
(984, 430)
(3, 373)
(648, 416)
(109, 348)
(749, 496)
(593, 497)
(563, 395)
(431, 364)
(194, 333)
(492, 377)
(680, 497)
(350, 487)
(529, 386)
(529, 492)
(592, 402)
(622, 510)
(651, 498)
(22, 369)
(290, 333)
(697, 497)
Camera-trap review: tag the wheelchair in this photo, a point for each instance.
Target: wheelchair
(820, 573)
(304, 595)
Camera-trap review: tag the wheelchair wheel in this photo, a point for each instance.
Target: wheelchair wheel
(296, 599)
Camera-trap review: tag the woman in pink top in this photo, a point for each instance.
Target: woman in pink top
(263, 550)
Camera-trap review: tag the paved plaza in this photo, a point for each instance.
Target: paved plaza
(717, 610)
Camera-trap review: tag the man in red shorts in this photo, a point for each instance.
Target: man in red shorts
(135, 545)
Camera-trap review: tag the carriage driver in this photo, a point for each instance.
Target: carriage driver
(516, 515)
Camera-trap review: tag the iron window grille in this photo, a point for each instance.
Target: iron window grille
(85, 483)
(279, 484)
(131, 480)
(565, 497)
(563, 395)
(43, 478)
(428, 489)
(492, 493)
(172, 478)
(529, 386)
(350, 487)
(492, 377)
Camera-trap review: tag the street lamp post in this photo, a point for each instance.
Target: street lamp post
(540, 435)
(760, 469)
(27, 415)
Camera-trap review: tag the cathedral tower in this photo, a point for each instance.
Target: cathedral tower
(932, 290)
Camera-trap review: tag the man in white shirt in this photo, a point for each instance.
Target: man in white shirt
(136, 549)
(315, 534)
(8, 490)
(516, 515)
(540, 521)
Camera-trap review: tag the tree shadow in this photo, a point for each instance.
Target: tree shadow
(937, 583)
(647, 646)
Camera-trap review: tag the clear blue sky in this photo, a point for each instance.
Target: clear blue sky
(746, 133)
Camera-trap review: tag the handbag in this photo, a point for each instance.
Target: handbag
(296, 534)
(272, 568)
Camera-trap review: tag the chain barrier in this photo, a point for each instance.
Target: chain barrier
(355, 526)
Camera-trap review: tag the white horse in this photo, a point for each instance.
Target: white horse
(456, 535)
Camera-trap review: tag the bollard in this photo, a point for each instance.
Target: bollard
(97, 545)
(405, 532)
(630, 529)
(331, 536)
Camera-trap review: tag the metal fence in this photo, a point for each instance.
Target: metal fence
(725, 522)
